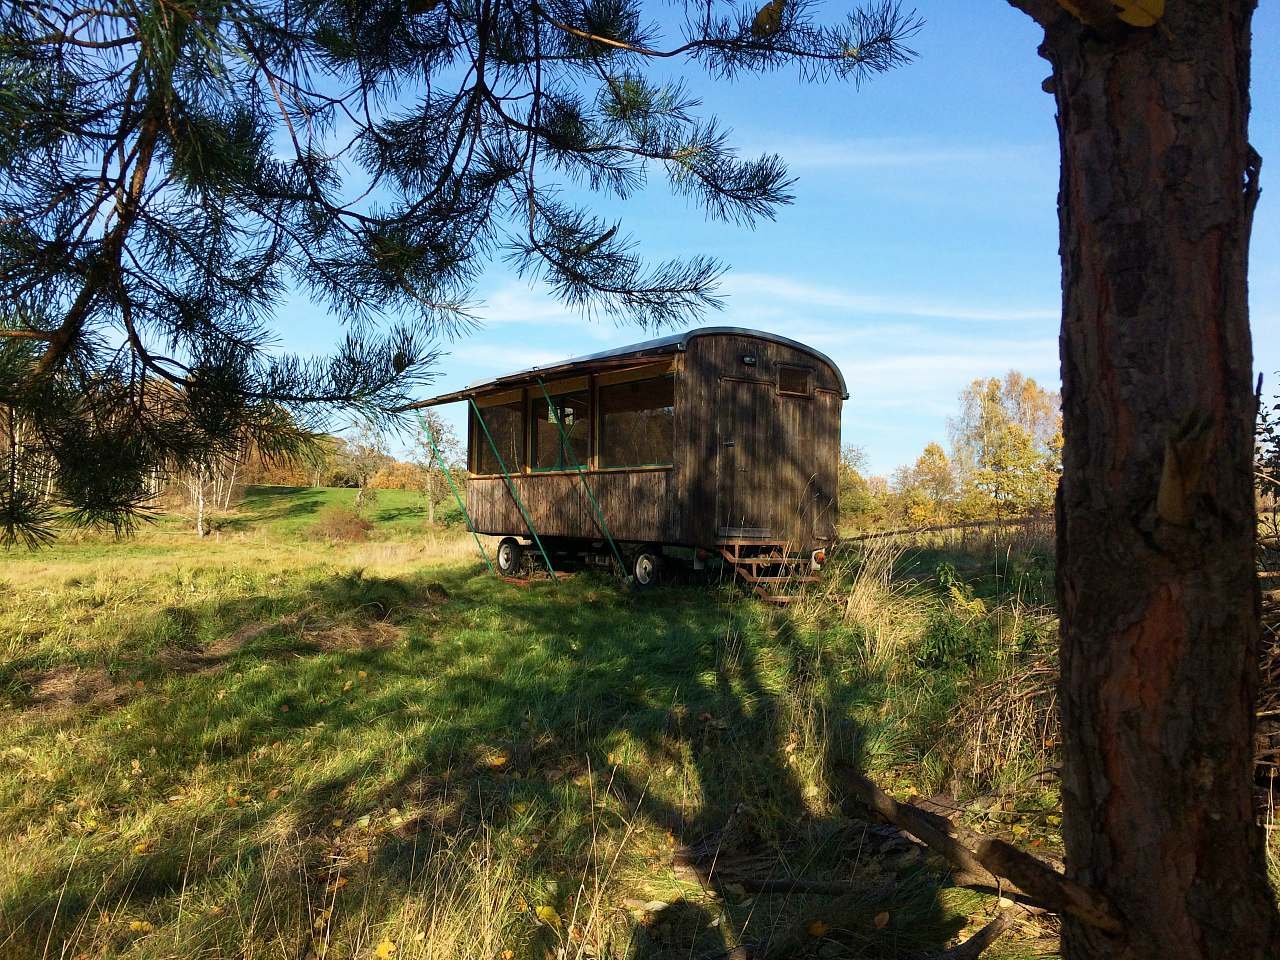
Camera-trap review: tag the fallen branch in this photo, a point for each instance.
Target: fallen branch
(972, 948)
(987, 859)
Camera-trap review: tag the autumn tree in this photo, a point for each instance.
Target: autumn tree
(926, 490)
(1157, 593)
(436, 448)
(1007, 447)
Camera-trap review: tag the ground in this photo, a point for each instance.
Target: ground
(268, 743)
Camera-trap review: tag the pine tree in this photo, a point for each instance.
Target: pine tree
(171, 169)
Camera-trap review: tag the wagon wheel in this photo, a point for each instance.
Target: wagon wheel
(646, 568)
(510, 557)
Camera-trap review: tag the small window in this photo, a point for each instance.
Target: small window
(551, 449)
(637, 423)
(795, 380)
(506, 425)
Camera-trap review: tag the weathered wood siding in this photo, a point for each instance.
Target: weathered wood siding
(781, 472)
(637, 505)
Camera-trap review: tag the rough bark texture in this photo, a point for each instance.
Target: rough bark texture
(1156, 583)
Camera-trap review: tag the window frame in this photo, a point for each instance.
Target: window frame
(478, 442)
(808, 380)
(559, 388)
(659, 371)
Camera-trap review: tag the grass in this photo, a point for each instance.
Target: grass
(268, 745)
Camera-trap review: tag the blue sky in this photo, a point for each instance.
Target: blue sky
(921, 249)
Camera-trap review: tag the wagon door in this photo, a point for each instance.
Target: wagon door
(745, 415)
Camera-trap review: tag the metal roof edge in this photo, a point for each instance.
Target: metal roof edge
(673, 343)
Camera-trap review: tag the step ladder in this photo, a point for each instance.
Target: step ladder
(769, 567)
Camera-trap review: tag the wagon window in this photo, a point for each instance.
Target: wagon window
(550, 451)
(637, 423)
(506, 426)
(796, 380)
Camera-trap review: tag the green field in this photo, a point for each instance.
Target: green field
(269, 744)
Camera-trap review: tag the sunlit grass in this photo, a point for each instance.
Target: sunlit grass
(264, 745)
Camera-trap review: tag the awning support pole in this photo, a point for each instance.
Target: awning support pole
(435, 453)
(582, 475)
(511, 488)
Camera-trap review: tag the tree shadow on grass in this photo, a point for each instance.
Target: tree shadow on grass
(474, 708)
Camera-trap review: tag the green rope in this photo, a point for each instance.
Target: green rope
(582, 475)
(435, 452)
(512, 488)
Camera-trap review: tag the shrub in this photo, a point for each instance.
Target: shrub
(340, 522)
(449, 514)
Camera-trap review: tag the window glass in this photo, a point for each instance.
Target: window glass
(793, 379)
(506, 426)
(637, 423)
(549, 450)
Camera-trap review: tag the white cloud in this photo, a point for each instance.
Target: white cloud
(751, 287)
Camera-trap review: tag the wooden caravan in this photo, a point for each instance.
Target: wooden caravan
(719, 441)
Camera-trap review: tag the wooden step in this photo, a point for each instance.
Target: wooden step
(773, 560)
(755, 578)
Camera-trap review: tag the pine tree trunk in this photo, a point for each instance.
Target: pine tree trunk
(1156, 583)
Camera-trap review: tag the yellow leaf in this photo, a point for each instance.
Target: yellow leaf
(140, 926)
(143, 847)
(385, 950)
(362, 674)
(1139, 13)
(507, 954)
(768, 19)
(818, 928)
(881, 920)
(337, 884)
(548, 916)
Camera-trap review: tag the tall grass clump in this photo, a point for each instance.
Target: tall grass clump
(949, 647)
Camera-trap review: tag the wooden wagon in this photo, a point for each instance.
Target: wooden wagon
(719, 442)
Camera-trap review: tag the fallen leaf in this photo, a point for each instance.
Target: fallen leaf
(385, 950)
(881, 920)
(818, 928)
(337, 884)
(141, 926)
(548, 915)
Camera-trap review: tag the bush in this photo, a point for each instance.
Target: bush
(449, 514)
(340, 522)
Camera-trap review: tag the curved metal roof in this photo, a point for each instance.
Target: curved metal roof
(674, 343)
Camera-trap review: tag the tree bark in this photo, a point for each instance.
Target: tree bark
(1156, 586)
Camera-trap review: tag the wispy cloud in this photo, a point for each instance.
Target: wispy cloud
(783, 290)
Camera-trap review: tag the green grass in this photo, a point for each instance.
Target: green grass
(266, 745)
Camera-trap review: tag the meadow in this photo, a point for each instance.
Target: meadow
(276, 743)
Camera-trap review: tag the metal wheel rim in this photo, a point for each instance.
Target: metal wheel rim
(645, 569)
